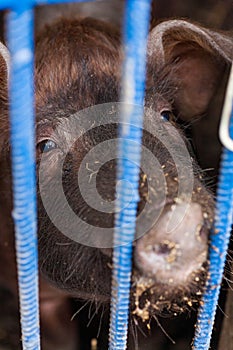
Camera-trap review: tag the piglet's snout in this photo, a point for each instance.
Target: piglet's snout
(173, 255)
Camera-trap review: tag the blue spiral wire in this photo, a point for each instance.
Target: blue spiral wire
(20, 42)
(137, 18)
(219, 241)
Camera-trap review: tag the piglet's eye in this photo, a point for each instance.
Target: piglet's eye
(46, 146)
(166, 116)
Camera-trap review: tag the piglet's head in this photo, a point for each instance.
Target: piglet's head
(78, 66)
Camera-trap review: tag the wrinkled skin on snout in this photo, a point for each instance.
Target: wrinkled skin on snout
(78, 65)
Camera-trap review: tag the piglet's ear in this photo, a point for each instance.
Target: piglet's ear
(4, 72)
(198, 59)
(4, 78)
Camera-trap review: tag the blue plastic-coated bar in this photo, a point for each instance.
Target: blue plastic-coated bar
(20, 43)
(219, 242)
(137, 18)
(17, 4)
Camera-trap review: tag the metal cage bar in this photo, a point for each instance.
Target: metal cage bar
(137, 18)
(20, 41)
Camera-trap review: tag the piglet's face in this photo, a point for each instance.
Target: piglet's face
(78, 69)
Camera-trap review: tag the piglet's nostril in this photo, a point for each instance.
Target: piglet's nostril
(202, 232)
(164, 247)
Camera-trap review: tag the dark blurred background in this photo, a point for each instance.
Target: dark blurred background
(212, 13)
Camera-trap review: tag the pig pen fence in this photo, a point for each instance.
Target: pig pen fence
(19, 27)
